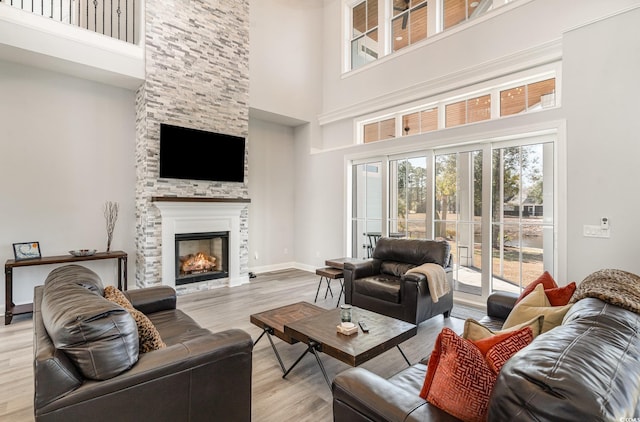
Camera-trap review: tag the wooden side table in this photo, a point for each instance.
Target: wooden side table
(10, 308)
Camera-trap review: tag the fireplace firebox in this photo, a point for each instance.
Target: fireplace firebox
(201, 256)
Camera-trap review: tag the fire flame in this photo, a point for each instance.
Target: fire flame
(199, 262)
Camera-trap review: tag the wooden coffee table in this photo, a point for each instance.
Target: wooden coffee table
(273, 321)
(318, 331)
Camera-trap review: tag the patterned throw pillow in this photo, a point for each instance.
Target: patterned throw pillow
(460, 377)
(148, 334)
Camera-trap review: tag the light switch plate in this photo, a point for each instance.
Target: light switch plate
(595, 231)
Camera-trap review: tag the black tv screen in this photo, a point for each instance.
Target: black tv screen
(200, 155)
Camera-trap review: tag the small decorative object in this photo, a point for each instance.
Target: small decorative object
(111, 215)
(82, 252)
(28, 250)
(345, 313)
(347, 328)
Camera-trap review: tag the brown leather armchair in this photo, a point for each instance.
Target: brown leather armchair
(381, 285)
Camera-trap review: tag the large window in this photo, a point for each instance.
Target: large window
(458, 11)
(364, 33)
(381, 27)
(409, 22)
(493, 203)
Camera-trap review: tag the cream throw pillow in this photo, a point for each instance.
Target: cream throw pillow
(533, 305)
(474, 331)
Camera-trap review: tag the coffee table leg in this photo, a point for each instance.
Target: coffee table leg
(403, 355)
(269, 331)
(312, 348)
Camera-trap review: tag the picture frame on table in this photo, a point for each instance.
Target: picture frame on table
(26, 250)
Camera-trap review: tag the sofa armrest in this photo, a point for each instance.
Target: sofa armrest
(500, 304)
(362, 268)
(360, 395)
(213, 365)
(152, 299)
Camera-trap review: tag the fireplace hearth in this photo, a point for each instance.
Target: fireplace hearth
(201, 256)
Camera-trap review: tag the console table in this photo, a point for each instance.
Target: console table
(11, 309)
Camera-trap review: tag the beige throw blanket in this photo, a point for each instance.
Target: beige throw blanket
(617, 287)
(436, 279)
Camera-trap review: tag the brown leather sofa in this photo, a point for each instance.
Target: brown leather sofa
(381, 285)
(198, 376)
(587, 369)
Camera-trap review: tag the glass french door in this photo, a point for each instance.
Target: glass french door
(492, 201)
(367, 207)
(408, 193)
(458, 214)
(522, 219)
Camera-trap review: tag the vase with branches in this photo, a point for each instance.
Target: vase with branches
(111, 216)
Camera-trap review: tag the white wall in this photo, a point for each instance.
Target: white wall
(66, 147)
(601, 87)
(271, 189)
(592, 123)
(286, 57)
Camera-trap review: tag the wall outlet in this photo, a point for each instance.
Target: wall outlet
(595, 231)
(255, 255)
(604, 223)
(285, 251)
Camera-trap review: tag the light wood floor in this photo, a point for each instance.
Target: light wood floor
(303, 396)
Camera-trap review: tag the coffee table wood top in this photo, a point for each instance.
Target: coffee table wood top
(384, 333)
(339, 262)
(277, 318)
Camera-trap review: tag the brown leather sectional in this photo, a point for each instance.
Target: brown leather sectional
(199, 376)
(586, 369)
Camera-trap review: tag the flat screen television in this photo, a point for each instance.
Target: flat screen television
(200, 155)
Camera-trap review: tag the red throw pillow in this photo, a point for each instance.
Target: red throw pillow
(547, 282)
(560, 296)
(460, 379)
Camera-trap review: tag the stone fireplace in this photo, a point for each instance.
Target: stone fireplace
(196, 76)
(201, 224)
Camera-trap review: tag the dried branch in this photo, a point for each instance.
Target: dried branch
(111, 215)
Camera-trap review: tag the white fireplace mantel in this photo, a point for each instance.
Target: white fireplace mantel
(199, 217)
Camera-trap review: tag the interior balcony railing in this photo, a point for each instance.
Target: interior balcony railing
(114, 18)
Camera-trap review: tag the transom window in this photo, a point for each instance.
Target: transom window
(510, 99)
(377, 131)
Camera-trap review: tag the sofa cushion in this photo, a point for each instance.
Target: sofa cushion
(474, 330)
(534, 305)
(97, 335)
(148, 336)
(383, 286)
(460, 377)
(413, 251)
(397, 269)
